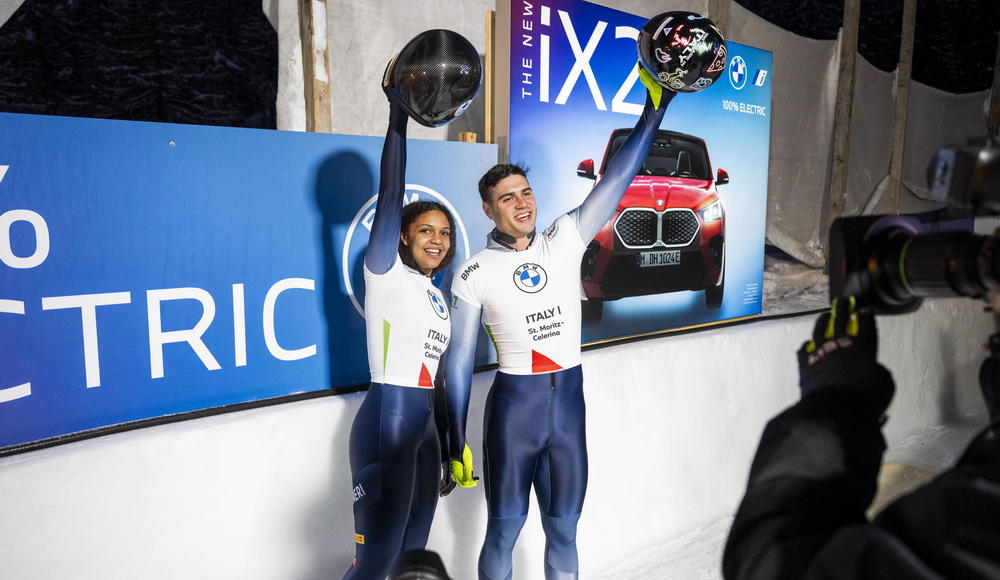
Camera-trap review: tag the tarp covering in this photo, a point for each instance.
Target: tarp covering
(804, 98)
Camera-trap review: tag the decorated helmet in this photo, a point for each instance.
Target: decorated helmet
(684, 51)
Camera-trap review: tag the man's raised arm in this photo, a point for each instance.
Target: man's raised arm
(597, 209)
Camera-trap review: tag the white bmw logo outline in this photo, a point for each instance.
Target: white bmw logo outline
(530, 284)
(737, 72)
(437, 305)
(410, 193)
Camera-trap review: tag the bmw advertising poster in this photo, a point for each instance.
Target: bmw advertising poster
(152, 269)
(686, 246)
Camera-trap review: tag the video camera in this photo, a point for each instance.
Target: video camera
(890, 266)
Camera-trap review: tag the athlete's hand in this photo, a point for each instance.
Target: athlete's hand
(461, 471)
(447, 483)
(655, 89)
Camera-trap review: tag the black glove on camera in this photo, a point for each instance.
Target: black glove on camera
(843, 355)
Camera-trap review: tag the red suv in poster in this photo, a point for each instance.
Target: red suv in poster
(668, 233)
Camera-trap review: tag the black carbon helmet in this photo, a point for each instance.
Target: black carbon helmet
(684, 51)
(435, 77)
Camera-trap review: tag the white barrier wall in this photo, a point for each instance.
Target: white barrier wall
(265, 494)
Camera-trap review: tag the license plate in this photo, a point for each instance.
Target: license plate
(661, 258)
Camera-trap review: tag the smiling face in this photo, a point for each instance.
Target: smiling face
(428, 239)
(512, 207)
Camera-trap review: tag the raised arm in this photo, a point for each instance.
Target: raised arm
(597, 209)
(465, 320)
(383, 243)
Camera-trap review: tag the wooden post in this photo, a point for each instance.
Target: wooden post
(488, 82)
(837, 195)
(902, 104)
(718, 11)
(500, 65)
(315, 64)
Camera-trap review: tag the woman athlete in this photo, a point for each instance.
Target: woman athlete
(394, 450)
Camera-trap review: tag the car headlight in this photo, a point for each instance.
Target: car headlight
(711, 212)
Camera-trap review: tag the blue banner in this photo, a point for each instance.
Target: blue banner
(573, 83)
(150, 269)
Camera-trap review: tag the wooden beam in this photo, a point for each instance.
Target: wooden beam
(903, 70)
(993, 120)
(315, 64)
(837, 195)
(718, 11)
(501, 78)
(488, 81)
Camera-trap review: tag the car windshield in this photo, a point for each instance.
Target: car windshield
(670, 156)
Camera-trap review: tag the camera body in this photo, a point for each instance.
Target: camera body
(967, 177)
(419, 564)
(891, 265)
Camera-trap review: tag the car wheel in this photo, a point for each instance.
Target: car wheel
(591, 311)
(714, 294)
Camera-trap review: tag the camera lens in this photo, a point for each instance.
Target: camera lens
(942, 264)
(891, 267)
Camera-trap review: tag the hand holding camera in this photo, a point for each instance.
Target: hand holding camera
(843, 355)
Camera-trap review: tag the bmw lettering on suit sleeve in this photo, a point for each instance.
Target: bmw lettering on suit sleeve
(530, 299)
(400, 305)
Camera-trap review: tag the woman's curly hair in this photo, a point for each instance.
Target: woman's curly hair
(411, 212)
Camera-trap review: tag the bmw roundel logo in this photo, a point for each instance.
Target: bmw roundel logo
(737, 72)
(530, 278)
(437, 304)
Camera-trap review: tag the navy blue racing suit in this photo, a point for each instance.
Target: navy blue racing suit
(529, 303)
(394, 448)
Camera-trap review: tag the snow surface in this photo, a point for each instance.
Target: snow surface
(696, 555)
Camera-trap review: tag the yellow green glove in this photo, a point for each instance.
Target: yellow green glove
(842, 356)
(655, 89)
(461, 471)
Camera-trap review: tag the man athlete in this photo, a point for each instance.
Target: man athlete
(525, 288)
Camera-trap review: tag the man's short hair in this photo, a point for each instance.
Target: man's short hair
(496, 174)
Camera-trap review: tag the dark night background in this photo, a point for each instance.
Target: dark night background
(177, 61)
(954, 46)
(216, 62)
